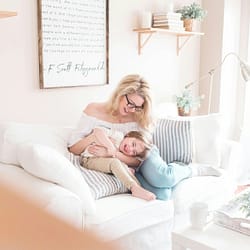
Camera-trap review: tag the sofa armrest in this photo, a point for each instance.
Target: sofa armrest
(53, 198)
(230, 158)
(48, 164)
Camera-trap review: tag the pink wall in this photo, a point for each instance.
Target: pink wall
(20, 96)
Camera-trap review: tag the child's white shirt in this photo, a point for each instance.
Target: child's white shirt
(117, 136)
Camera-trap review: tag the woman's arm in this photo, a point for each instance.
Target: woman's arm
(97, 137)
(81, 145)
(103, 140)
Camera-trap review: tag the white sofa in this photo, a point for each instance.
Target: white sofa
(34, 161)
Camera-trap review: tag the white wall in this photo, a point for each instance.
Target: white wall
(21, 99)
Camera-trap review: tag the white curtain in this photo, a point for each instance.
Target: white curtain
(246, 114)
(245, 132)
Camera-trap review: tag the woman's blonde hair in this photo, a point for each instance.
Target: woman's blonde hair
(133, 84)
(144, 137)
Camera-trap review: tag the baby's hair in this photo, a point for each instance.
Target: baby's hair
(143, 137)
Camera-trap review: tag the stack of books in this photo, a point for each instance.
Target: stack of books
(168, 20)
(235, 214)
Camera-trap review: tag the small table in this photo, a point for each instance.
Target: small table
(213, 237)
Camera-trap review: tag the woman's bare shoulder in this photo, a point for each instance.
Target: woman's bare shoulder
(94, 107)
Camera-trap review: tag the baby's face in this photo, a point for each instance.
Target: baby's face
(131, 146)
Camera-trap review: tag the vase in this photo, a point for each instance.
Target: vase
(181, 112)
(188, 24)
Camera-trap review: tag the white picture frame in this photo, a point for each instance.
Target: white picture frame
(73, 43)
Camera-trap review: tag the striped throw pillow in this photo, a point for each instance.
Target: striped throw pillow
(174, 140)
(100, 184)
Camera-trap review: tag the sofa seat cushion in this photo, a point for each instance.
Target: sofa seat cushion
(210, 189)
(50, 197)
(122, 214)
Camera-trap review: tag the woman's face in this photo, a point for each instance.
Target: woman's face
(131, 146)
(130, 103)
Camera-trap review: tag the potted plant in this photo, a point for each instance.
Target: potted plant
(191, 12)
(186, 102)
(244, 201)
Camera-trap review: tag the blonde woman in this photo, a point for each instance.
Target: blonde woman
(129, 108)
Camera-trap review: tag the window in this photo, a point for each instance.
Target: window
(246, 115)
(244, 177)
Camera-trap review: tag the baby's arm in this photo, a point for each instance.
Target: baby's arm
(103, 140)
(129, 160)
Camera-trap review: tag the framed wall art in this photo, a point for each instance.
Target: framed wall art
(73, 43)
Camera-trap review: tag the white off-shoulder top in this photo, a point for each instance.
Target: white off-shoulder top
(87, 123)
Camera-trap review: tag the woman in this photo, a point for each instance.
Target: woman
(129, 108)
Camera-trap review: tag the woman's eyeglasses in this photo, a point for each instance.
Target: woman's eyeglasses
(132, 105)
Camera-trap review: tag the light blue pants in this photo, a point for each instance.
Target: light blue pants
(159, 177)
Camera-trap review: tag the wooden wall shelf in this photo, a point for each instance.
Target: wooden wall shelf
(150, 31)
(5, 14)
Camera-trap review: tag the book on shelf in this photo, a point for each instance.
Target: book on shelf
(168, 20)
(168, 24)
(174, 22)
(169, 28)
(165, 17)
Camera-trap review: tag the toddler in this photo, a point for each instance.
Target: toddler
(134, 143)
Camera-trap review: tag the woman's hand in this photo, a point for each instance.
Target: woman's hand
(98, 151)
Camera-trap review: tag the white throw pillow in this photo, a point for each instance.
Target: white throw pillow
(14, 133)
(207, 132)
(47, 163)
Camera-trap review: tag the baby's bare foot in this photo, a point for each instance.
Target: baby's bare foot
(142, 193)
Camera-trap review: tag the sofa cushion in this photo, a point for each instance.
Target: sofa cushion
(211, 189)
(174, 139)
(47, 163)
(123, 214)
(100, 184)
(14, 133)
(207, 132)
